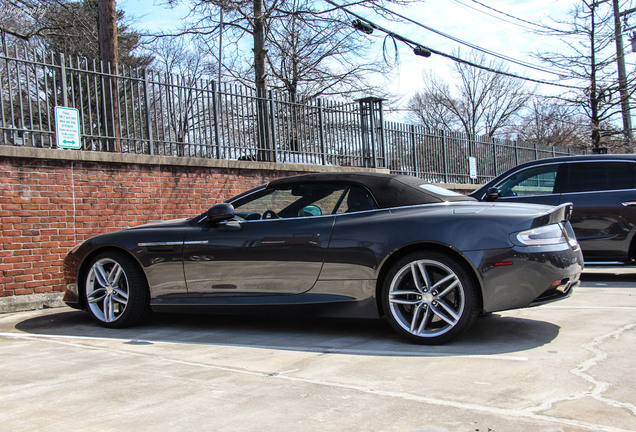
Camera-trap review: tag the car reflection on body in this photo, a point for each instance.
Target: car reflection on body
(335, 244)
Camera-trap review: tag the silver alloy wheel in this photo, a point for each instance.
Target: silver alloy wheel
(107, 290)
(426, 298)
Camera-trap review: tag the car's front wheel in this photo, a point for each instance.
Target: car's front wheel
(429, 297)
(116, 291)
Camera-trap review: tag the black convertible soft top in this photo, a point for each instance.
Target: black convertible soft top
(389, 190)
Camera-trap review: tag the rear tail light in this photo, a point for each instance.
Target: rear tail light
(543, 236)
(553, 234)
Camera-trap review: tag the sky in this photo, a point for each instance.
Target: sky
(463, 19)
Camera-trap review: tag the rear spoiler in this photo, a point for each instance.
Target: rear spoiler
(558, 214)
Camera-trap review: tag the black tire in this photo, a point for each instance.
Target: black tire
(115, 290)
(433, 305)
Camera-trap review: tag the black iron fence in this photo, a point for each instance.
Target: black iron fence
(145, 112)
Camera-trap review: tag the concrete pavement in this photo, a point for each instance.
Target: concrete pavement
(568, 366)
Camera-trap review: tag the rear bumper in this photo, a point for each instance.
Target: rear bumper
(522, 277)
(560, 292)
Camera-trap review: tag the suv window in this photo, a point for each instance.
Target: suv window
(595, 176)
(532, 181)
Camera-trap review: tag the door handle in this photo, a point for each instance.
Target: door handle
(629, 203)
(306, 235)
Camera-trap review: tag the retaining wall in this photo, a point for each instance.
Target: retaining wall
(52, 200)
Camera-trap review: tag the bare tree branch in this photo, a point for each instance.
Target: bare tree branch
(481, 103)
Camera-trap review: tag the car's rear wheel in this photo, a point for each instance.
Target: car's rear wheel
(116, 290)
(429, 297)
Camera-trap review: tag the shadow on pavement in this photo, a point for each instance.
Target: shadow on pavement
(612, 277)
(491, 334)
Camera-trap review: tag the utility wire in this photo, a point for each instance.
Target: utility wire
(475, 10)
(504, 14)
(412, 44)
(473, 46)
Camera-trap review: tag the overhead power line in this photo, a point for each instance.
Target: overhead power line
(413, 45)
(535, 25)
(473, 46)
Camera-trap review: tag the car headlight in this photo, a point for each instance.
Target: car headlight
(543, 236)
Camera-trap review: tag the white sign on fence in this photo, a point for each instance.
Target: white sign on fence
(67, 129)
(472, 164)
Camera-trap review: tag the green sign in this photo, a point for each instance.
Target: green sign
(67, 129)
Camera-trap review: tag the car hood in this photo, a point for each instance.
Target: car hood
(162, 224)
(125, 238)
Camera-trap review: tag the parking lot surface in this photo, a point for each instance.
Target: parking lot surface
(567, 366)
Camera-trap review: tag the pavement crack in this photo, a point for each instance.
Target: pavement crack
(582, 370)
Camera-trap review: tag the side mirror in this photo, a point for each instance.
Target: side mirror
(492, 194)
(220, 212)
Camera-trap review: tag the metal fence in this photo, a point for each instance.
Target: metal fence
(443, 156)
(145, 112)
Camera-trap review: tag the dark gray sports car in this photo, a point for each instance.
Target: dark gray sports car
(354, 245)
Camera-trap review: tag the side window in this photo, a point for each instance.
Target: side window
(532, 181)
(357, 199)
(304, 200)
(256, 206)
(602, 175)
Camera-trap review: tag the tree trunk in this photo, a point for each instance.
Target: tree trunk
(594, 93)
(622, 77)
(265, 152)
(109, 56)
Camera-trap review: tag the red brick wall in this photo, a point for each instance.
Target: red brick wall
(48, 206)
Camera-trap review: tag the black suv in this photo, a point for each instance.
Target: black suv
(602, 188)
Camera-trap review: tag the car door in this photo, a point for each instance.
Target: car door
(537, 184)
(276, 245)
(604, 197)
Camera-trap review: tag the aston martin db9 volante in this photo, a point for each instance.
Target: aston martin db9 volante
(336, 244)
